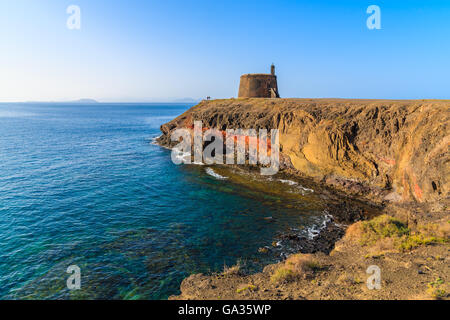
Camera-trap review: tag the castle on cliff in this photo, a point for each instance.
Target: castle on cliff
(259, 85)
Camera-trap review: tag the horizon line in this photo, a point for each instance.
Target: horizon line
(174, 101)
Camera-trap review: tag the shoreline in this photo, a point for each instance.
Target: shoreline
(340, 212)
(420, 273)
(342, 209)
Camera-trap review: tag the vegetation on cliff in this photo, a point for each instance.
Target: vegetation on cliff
(420, 271)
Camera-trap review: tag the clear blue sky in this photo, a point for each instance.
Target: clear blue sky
(164, 50)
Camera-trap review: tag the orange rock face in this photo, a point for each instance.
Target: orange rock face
(400, 148)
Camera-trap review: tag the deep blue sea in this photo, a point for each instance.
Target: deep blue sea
(83, 185)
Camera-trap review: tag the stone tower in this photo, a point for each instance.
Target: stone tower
(259, 85)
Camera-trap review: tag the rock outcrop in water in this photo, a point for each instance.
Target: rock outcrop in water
(396, 150)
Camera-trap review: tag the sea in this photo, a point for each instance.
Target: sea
(85, 185)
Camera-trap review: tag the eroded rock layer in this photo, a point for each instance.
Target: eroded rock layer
(397, 150)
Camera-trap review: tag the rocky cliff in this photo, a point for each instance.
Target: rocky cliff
(395, 149)
(387, 150)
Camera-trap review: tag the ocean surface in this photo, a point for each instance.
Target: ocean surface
(84, 185)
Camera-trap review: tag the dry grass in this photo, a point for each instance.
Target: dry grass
(283, 275)
(297, 265)
(233, 270)
(439, 230)
(385, 233)
(301, 263)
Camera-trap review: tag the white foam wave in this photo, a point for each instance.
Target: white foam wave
(315, 230)
(214, 174)
(289, 182)
(305, 189)
(153, 139)
(183, 156)
(300, 187)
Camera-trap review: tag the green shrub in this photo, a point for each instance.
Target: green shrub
(394, 234)
(282, 275)
(249, 287)
(435, 289)
(416, 240)
(381, 227)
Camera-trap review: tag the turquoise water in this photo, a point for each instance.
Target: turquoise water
(82, 184)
